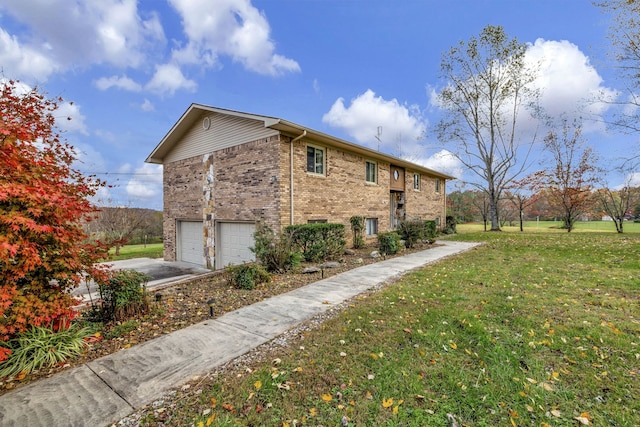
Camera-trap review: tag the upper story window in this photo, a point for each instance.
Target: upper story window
(371, 172)
(315, 160)
(416, 181)
(437, 185)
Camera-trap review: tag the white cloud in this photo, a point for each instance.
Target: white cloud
(229, 27)
(70, 119)
(77, 33)
(19, 61)
(146, 183)
(147, 106)
(443, 161)
(122, 82)
(168, 79)
(570, 85)
(399, 125)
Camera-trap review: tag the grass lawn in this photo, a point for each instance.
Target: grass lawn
(530, 329)
(150, 250)
(554, 226)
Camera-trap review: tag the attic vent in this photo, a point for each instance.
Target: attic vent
(206, 123)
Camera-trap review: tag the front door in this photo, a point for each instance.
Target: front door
(398, 211)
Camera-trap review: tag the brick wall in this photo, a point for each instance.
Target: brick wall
(182, 191)
(424, 203)
(343, 191)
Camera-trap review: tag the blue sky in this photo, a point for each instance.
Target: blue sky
(343, 67)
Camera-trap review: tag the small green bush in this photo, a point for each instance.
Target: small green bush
(450, 225)
(275, 253)
(412, 231)
(246, 276)
(357, 228)
(389, 243)
(318, 241)
(41, 347)
(124, 296)
(430, 231)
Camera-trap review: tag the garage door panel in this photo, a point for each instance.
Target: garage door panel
(233, 242)
(191, 241)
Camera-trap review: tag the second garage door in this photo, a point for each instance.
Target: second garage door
(233, 242)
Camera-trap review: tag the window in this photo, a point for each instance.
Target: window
(371, 226)
(416, 181)
(317, 221)
(437, 185)
(371, 172)
(315, 160)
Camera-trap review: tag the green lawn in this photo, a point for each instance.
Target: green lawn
(530, 329)
(554, 226)
(150, 250)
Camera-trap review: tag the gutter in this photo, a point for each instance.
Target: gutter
(297, 138)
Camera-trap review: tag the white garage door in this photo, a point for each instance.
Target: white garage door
(191, 242)
(233, 242)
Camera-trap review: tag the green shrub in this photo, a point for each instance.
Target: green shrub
(450, 225)
(246, 276)
(412, 231)
(389, 243)
(430, 231)
(318, 242)
(357, 228)
(275, 253)
(41, 347)
(124, 296)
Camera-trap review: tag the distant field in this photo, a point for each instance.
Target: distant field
(153, 250)
(554, 227)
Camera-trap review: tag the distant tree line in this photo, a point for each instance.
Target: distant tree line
(122, 225)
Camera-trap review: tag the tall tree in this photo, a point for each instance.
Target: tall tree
(487, 85)
(571, 175)
(43, 199)
(624, 35)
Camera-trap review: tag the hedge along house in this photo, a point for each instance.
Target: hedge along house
(225, 171)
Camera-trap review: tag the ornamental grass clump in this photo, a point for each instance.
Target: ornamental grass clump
(41, 347)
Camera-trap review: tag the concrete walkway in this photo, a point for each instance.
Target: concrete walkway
(108, 389)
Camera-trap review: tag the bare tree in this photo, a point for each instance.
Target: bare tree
(618, 204)
(488, 83)
(116, 225)
(571, 175)
(624, 35)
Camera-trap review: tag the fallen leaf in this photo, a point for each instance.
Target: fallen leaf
(583, 420)
(327, 397)
(556, 413)
(386, 403)
(258, 385)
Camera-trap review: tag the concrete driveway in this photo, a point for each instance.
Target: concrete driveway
(162, 273)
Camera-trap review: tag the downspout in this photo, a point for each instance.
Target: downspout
(297, 138)
(444, 189)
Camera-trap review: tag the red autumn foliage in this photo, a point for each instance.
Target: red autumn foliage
(44, 252)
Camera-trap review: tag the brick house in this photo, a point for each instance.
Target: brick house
(224, 171)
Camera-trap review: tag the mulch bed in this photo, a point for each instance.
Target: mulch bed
(185, 304)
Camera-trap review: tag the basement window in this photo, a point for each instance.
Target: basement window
(371, 225)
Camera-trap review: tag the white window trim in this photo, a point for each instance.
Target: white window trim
(419, 181)
(324, 159)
